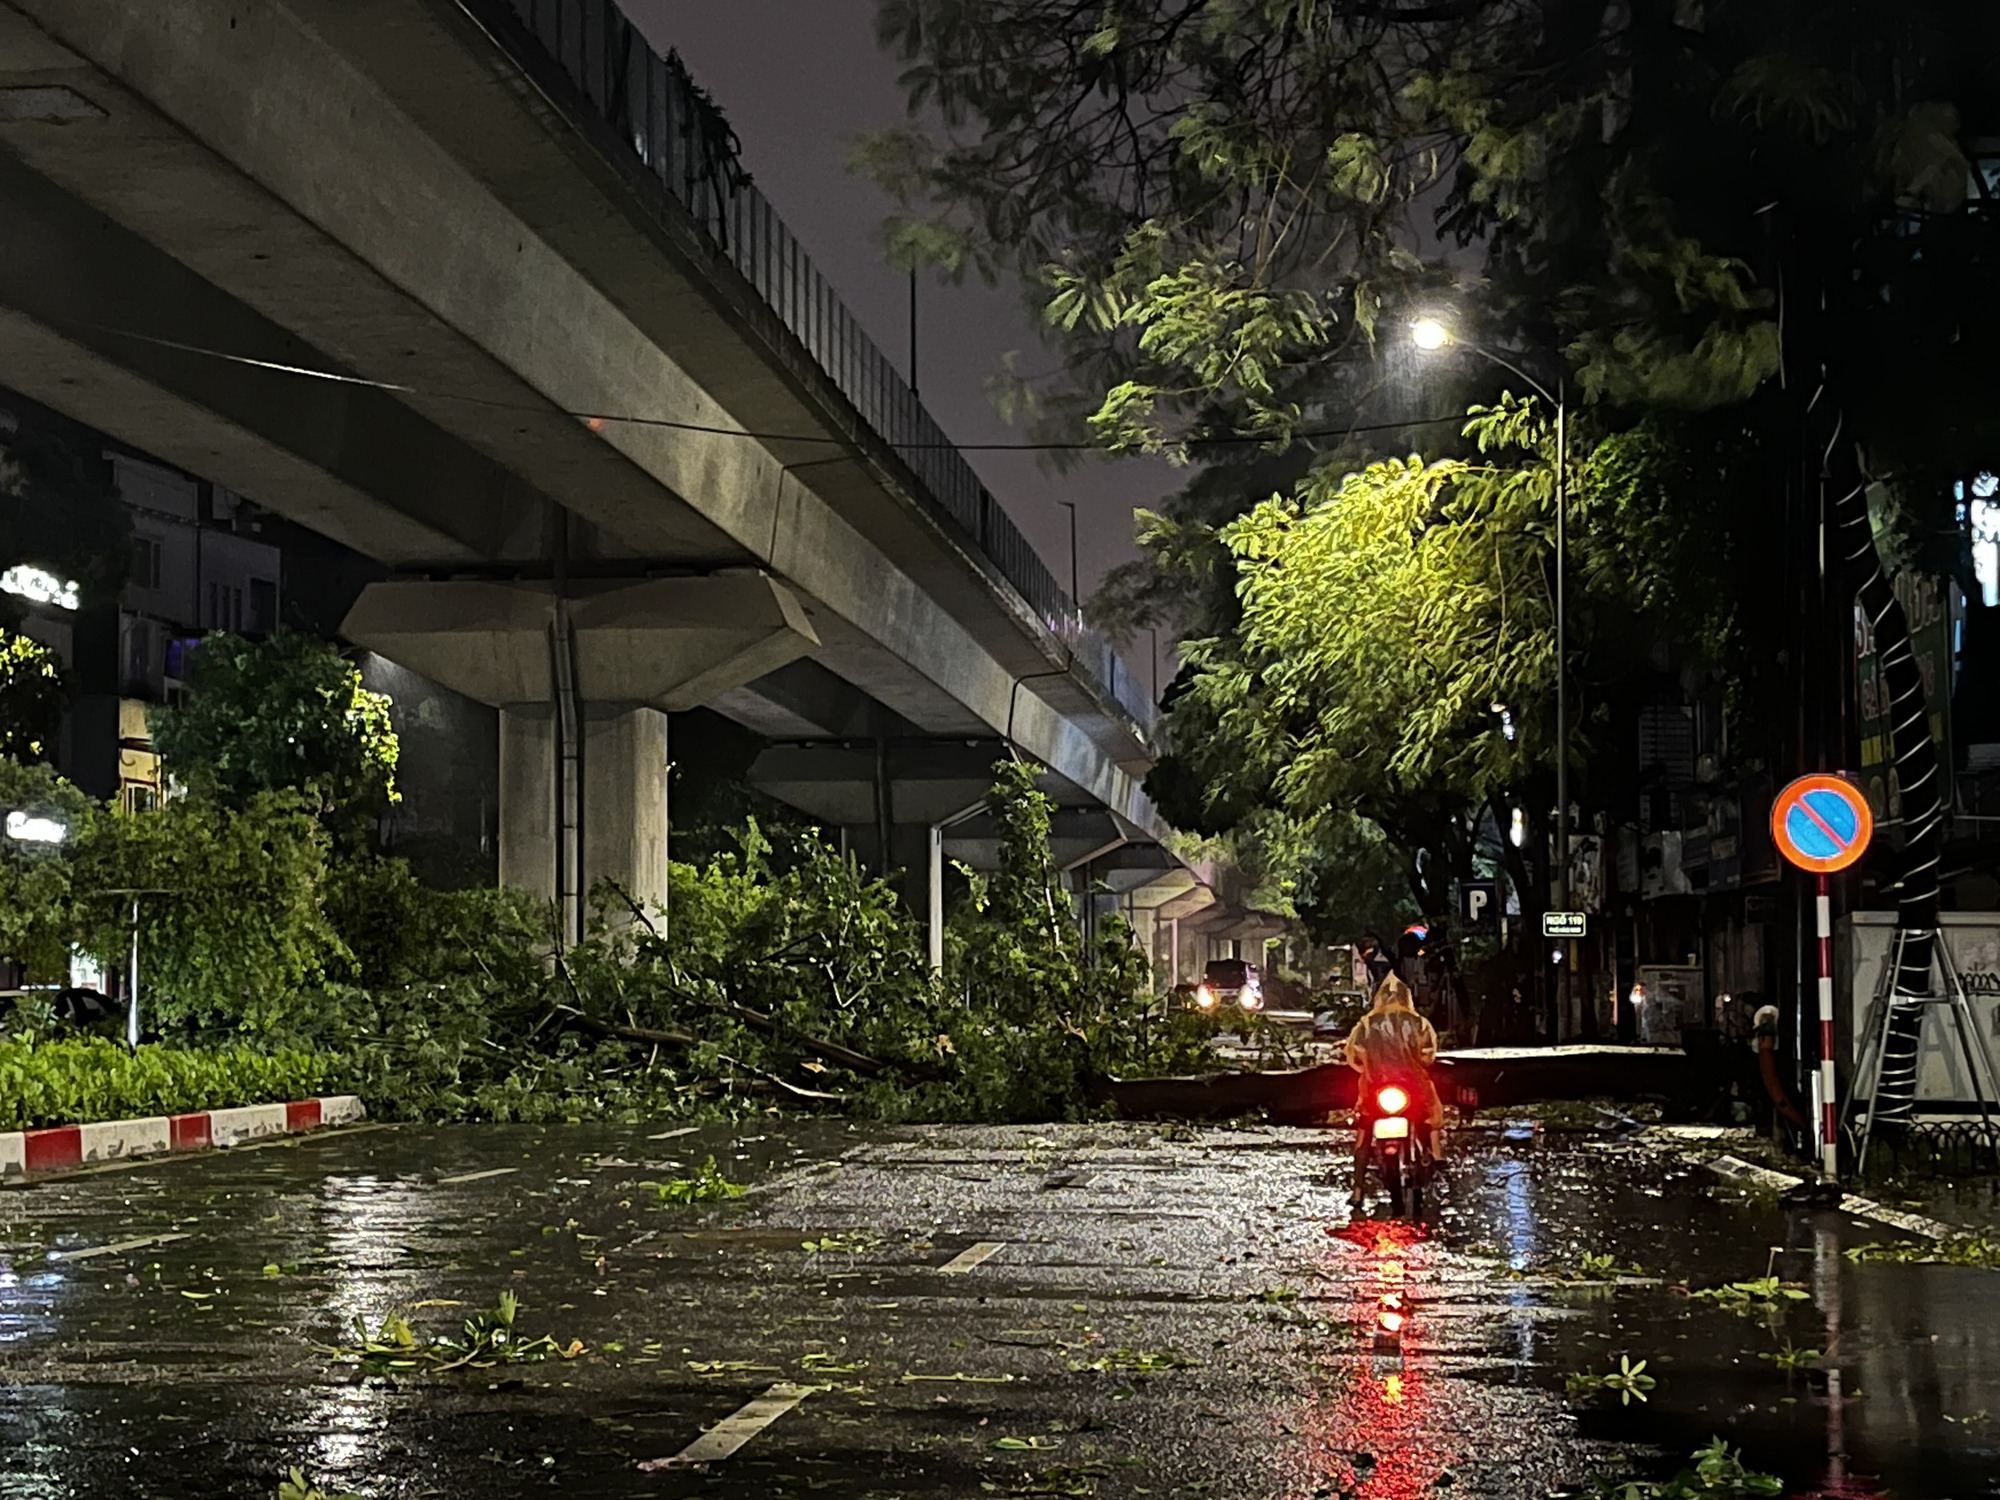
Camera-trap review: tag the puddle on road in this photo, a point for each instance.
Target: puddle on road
(353, 1228)
(1902, 1396)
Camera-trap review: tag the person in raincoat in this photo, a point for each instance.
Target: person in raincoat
(1392, 1043)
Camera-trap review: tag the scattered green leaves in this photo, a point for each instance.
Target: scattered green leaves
(1758, 1293)
(1629, 1380)
(850, 1243)
(1789, 1357)
(707, 1185)
(486, 1339)
(1969, 1249)
(296, 1486)
(1135, 1361)
(1717, 1473)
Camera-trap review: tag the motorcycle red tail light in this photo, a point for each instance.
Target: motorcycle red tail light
(1392, 1101)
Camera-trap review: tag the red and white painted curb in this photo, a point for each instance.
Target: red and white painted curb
(63, 1148)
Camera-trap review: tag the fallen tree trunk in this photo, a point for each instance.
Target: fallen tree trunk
(847, 1057)
(685, 1039)
(1481, 1077)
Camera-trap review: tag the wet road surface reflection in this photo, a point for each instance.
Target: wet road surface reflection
(1084, 1311)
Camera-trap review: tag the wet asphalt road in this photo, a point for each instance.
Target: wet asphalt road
(1168, 1312)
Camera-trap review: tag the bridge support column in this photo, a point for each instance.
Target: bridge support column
(621, 829)
(1146, 936)
(603, 665)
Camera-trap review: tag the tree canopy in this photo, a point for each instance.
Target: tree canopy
(33, 694)
(1719, 221)
(287, 713)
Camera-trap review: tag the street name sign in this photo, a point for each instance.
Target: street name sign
(1564, 924)
(1822, 823)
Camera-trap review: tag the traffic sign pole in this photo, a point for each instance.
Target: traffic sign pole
(1821, 824)
(1829, 1129)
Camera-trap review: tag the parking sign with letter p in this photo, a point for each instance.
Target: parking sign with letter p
(1478, 901)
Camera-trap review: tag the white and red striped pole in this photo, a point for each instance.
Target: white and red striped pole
(1829, 1127)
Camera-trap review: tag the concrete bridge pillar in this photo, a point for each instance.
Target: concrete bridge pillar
(621, 810)
(583, 683)
(1145, 922)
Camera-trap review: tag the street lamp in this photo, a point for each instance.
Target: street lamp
(31, 828)
(1075, 593)
(1430, 335)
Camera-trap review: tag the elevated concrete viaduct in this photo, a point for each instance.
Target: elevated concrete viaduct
(478, 288)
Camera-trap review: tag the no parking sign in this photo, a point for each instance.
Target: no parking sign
(1822, 823)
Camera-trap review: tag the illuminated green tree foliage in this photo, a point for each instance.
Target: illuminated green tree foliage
(287, 713)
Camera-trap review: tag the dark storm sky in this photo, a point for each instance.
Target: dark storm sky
(799, 79)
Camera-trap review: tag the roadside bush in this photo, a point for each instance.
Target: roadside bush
(78, 1079)
(233, 922)
(779, 974)
(392, 930)
(38, 916)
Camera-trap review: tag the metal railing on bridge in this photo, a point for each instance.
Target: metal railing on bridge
(681, 138)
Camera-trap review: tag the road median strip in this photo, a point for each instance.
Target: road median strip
(64, 1148)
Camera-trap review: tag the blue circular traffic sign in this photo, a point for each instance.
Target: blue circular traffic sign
(1822, 823)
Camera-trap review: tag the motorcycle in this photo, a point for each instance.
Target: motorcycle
(1399, 1152)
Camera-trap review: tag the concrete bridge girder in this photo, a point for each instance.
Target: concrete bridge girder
(673, 643)
(526, 297)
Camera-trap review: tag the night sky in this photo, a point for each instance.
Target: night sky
(799, 79)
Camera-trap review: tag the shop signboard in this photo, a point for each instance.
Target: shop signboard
(1930, 604)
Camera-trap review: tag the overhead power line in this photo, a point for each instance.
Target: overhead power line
(597, 420)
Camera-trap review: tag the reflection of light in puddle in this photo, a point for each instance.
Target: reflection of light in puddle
(366, 1227)
(33, 1416)
(1521, 1243)
(347, 1424)
(27, 1303)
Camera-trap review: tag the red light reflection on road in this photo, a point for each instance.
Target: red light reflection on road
(1379, 1405)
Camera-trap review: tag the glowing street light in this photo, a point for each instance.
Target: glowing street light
(1431, 335)
(29, 829)
(39, 586)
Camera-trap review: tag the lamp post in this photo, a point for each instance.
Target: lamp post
(1430, 335)
(1075, 593)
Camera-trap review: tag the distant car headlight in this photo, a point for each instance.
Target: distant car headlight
(1205, 998)
(1251, 999)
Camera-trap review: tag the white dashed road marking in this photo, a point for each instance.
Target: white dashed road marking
(736, 1429)
(974, 1255)
(477, 1176)
(119, 1248)
(669, 1135)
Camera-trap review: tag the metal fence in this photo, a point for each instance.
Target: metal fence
(682, 139)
